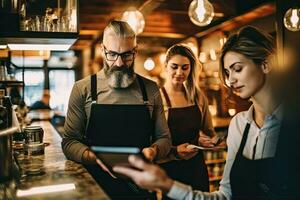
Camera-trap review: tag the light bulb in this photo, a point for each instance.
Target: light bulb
(149, 64)
(292, 19)
(135, 19)
(201, 12)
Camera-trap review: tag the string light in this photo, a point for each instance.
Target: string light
(292, 19)
(135, 19)
(201, 12)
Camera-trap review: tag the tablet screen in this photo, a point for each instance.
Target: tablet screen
(112, 156)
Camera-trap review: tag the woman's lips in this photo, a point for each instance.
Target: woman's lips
(238, 89)
(179, 78)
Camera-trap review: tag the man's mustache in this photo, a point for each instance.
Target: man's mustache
(122, 68)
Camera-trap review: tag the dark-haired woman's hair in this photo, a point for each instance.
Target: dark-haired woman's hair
(191, 85)
(250, 42)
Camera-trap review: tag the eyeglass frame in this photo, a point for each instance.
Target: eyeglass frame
(132, 52)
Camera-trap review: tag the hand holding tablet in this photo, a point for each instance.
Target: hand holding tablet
(112, 156)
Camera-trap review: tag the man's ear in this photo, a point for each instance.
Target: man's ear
(266, 67)
(102, 50)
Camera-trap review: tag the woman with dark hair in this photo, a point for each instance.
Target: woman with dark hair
(182, 98)
(251, 172)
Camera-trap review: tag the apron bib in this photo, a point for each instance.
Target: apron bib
(118, 125)
(186, 129)
(256, 179)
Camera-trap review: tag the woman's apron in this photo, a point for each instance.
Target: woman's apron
(185, 124)
(257, 179)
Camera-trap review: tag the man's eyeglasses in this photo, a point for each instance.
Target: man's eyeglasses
(125, 56)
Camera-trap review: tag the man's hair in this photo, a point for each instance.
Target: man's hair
(119, 29)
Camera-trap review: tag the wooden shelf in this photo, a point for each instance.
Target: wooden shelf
(215, 178)
(11, 83)
(219, 122)
(215, 161)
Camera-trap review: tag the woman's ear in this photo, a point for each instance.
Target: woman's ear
(266, 67)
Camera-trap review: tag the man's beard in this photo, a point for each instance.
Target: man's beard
(119, 76)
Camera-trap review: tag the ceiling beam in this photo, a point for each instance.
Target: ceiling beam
(259, 12)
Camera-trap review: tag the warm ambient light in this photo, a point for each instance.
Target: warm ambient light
(46, 189)
(53, 47)
(292, 19)
(201, 12)
(135, 19)
(149, 64)
(231, 111)
(3, 46)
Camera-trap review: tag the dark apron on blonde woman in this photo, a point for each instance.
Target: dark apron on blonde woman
(119, 125)
(257, 179)
(185, 124)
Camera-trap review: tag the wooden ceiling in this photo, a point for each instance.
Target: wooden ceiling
(167, 21)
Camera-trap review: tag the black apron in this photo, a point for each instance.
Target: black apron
(184, 124)
(256, 179)
(118, 125)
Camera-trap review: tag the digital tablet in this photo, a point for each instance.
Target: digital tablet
(111, 156)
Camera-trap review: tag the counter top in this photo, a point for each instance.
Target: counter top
(53, 168)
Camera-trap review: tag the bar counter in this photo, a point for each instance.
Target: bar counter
(52, 169)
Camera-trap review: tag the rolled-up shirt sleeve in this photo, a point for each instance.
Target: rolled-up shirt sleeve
(161, 130)
(185, 192)
(74, 126)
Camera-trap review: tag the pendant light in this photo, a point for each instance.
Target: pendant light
(201, 12)
(292, 19)
(135, 19)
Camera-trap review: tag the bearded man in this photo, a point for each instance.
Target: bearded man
(115, 107)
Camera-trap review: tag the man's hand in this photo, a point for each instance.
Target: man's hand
(185, 153)
(101, 164)
(147, 176)
(89, 157)
(150, 153)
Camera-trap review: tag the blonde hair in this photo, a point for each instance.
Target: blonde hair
(119, 29)
(191, 85)
(250, 42)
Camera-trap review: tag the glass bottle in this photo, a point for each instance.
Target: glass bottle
(3, 116)
(22, 12)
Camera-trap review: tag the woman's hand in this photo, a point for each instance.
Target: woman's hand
(206, 141)
(215, 141)
(146, 175)
(186, 153)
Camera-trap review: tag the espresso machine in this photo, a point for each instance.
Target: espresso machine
(8, 125)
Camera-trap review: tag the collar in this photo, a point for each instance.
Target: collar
(277, 113)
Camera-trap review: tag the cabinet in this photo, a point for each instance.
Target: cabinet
(44, 24)
(8, 81)
(215, 161)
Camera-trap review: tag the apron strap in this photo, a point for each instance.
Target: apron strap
(244, 139)
(166, 97)
(143, 89)
(94, 88)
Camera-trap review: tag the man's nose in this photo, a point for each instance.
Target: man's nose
(119, 61)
